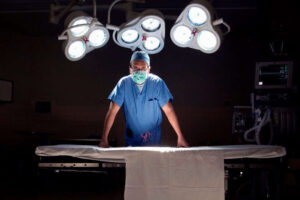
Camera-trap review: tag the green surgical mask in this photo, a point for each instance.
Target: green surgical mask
(139, 77)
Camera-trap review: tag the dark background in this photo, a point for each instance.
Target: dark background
(205, 86)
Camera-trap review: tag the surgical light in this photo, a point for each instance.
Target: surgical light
(197, 16)
(82, 35)
(151, 43)
(195, 28)
(80, 30)
(146, 32)
(207, 40)
(76, 49)
(97, 37)
(130, 36)
(151, 24)
(182, 34)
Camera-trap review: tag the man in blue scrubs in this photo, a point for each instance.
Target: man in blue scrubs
(142, 95)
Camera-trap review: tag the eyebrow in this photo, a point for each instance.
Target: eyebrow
(135, 66)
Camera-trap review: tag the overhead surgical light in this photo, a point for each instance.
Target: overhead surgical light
(182, 34)
(81, 30)
(195, 28)
(130, 36)
(151, 24)
(196, 16)
(146, 32)
(75, 50)
(82, 35)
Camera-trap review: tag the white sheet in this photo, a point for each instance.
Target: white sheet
(166, 173)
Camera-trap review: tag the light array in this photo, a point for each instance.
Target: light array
(146, 32)
(84, 34)
(194, 28)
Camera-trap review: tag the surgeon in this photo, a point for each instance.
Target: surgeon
(142, 95)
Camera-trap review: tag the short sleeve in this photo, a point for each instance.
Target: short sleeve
(164, 95)
(117, 95)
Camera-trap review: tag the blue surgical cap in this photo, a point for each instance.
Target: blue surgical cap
(140, 55)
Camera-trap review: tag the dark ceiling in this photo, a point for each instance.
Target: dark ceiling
(44, 5)
(37, 12)
(266, 18)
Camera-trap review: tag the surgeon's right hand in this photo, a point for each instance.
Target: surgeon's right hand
(103, 144)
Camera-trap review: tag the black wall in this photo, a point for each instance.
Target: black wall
(204, 86)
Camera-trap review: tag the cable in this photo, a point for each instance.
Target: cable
(109, 10)
(221, 21)
(114, 38)
(267, 119)
(228, 28)
(260, 125)
(257, 128)
(94, 9)
(62, 35)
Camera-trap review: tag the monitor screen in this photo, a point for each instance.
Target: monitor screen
(276, 74)
(6, 91)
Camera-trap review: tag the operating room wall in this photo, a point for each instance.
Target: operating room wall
(204, 86)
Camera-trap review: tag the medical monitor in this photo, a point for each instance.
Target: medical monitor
(274, 75)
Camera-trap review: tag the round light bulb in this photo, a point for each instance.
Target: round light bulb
(182, 34)
(151, 24)
(207, 40)
(81, 30)
(97, 37)
(196, 16)
(76, 49)
(151, 43)
(130, 36)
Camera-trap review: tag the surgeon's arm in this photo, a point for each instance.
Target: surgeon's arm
(171, 115)
(109, 120)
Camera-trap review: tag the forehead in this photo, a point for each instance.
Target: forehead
(138, 63)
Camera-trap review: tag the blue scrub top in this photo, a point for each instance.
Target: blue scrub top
(142, 110)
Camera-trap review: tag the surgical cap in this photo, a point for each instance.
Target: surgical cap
(140, 55)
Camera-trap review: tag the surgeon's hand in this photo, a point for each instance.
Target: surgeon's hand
(103, 144)
(181, 142)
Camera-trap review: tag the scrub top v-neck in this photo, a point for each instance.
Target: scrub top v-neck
(142, 110)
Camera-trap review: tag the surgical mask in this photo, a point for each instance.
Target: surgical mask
(139, 77)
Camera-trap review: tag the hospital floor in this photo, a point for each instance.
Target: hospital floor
(89, 186)
(64, 186)
(20, 179)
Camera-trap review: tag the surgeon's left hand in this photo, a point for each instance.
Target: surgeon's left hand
(181, 142)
